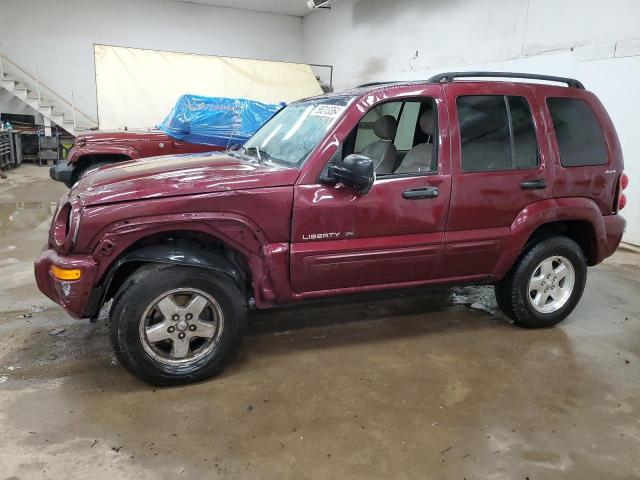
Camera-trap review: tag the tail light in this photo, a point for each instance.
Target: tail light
(623, 183)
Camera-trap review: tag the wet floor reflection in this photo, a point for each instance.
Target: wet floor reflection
(17, 216)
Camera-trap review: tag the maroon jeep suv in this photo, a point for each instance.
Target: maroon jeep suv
(385, 186)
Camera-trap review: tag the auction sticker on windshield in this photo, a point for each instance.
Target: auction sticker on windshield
(331, 111)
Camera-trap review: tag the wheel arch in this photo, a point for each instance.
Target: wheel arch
(88, 159)
(577, 218)
(184, 248)
(101, 150)
(580, 231)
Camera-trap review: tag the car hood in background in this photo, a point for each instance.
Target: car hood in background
(114, 136)
(173, 175)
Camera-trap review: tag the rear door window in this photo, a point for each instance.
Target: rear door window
(578, 132)
(496, 133)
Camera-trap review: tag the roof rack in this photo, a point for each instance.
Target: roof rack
(450, 76)
(391, 82)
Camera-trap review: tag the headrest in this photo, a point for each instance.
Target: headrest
(427, 122)
(385, 127)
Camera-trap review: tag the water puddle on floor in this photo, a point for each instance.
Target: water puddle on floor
(23, 216)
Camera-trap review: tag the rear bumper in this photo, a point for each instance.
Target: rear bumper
(614, 226)
(73, 296)
(62, 173)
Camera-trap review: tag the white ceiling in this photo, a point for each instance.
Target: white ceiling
(287, 7)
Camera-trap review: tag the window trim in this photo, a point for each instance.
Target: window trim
(511, 136)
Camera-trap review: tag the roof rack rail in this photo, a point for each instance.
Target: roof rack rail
(391, 82)
(450, 76)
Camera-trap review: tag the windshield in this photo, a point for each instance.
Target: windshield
(293, 133)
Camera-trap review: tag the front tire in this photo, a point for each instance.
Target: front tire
(171, 325)
(87, 169)
(545, 284)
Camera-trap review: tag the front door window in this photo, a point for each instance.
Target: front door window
(398, 136)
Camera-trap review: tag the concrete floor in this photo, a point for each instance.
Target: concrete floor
(412, 384)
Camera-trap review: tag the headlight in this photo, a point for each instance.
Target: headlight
(65, 226)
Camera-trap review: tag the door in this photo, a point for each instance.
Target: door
(394, 234)
(498, 164)
(157, 144)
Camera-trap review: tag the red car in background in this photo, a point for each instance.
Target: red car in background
(94, 149)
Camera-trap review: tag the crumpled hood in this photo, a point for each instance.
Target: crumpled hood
(173, 175)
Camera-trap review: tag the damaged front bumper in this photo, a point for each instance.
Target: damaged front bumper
(67, 280)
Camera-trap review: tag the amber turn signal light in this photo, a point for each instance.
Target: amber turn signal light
(65, 273)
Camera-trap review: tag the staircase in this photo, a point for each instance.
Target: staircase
(52, 106)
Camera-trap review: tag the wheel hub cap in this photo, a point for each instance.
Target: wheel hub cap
(181, 326)
(551, 284)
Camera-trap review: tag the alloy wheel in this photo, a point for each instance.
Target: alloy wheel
(551, 284)
(181, 326)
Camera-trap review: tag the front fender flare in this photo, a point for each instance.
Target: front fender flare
(76, 153)
(164, 254)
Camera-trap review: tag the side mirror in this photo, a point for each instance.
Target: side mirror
(356, 171)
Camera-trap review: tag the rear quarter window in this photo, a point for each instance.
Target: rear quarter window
(578, 132)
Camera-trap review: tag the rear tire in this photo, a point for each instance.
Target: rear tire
(545, 284)
(171, 325)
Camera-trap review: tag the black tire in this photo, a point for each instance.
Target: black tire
(503, 297)
(88, 168)
(512, 293)
(150, 282)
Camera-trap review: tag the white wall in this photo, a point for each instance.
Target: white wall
(58, 36)
(370, 40)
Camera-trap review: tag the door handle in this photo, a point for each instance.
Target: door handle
(417, 193)
(534, 184)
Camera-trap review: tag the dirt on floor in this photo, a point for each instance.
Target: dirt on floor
(424, 383)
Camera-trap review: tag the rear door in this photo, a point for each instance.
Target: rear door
(499, 158)
(394, 234)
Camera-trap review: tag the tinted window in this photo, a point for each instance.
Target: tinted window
(496, 133)
(525, 154)
(580, 138)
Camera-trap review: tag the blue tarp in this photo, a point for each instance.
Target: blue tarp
(216, 120)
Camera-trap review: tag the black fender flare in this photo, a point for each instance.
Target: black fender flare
(184, 255)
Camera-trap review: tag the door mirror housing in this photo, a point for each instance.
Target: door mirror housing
(356, 171)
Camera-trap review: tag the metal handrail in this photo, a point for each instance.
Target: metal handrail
(41, 84)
